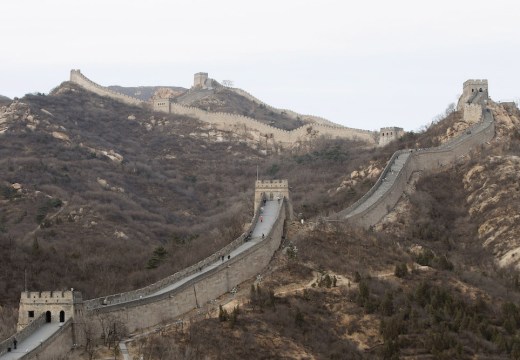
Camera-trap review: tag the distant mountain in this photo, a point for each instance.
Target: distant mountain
(145, 92)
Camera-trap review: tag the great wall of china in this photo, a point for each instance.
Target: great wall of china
(146, 307)
(233, 122)
(392, 182)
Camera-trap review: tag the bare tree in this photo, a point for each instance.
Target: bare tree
(227, 83)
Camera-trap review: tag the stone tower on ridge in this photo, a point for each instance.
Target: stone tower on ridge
(389, 134)
(471, 89)
(54, 306)
(200, 80)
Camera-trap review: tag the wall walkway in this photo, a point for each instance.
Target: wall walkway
(385, 193)
(206, 284)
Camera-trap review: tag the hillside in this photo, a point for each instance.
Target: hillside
(105, 197)
(225, 100)
(219, 99)
(85, 179)
(436, 279)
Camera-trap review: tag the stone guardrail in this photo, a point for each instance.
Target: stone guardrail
(419, 159)
(150, 289)
(373, 189)
(34, 353)
(154, 298)
(22, 334)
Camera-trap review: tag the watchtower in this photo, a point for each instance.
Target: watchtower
(58, 306)
(271, 189)
(471, 89)
(200, 80)
(389, 134)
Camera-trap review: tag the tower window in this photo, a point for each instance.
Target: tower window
(31, 313)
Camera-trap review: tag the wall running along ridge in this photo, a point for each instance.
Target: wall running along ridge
(236, 123)
(150, 311)
(419, 160)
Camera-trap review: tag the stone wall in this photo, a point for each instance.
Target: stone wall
(125, 297)
(236, 123)
(419, 160)
(56, 346)
(470, 89)
(389, 134)
(272, 189)
(240, 124)
(22, 334)
(150, 311)
(43, 301)
(78, 78)
(472, 113)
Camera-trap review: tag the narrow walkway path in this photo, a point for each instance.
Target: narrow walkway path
(395, 168)
(262, 227)
(32, 342)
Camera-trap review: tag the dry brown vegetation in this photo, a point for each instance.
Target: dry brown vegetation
(170, 199)
(177, 197)
(423, 286)
(225, 100)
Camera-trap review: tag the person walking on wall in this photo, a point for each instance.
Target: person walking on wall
(15, 342)
(261, 219)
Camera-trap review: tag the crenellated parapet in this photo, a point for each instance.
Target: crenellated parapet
(57, 306)
(78, 78)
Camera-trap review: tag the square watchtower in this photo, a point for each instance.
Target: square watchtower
(271, 189)
(199, 80)
(57, 306)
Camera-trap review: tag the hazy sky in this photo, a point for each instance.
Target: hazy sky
(363, 64)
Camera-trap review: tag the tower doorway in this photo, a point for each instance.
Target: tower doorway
(62, 316)
(48, 317)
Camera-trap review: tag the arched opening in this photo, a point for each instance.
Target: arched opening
(48, 317)
(271, 196)
(62, 316)
(480, 90)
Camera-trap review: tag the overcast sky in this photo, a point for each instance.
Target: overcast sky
(363, 64)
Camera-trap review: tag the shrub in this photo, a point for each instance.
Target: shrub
(401, 270)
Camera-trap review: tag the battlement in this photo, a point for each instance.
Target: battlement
(473, 86)
(44, 296)
(56, 305)
(479, 82)
(266, 184)
(271, 190)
